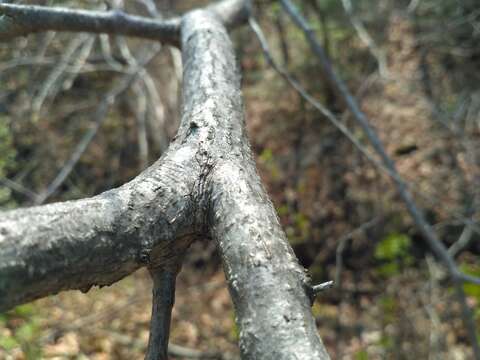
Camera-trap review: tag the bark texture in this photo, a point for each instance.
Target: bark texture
(97, 241)
(268, 286)
(18, 20)
(21, 20)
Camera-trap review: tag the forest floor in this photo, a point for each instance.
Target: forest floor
(366, 320)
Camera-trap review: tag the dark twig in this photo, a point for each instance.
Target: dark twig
(162, 304)
(342, 243)
(18, 188)
(463, 241)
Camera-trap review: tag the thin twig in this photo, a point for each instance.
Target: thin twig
(365, 37)
(57, 72)
(462, 242)
(342, 243)
(79, 63)
(303, 93)
(15, 186)
(141, 116)
(99, 117)
(317, 289)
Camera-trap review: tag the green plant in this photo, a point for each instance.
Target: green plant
(394, 253)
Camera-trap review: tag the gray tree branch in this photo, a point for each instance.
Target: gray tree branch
(21, 20)
(97, 241)
(205, 185)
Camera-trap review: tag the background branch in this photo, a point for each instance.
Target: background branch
(99, 117)
(20, 20)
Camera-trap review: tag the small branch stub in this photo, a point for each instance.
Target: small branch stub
(317, 289)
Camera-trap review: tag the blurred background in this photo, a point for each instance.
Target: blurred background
(81, 114)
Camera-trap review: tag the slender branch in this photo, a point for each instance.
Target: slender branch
(437, 247)
(342, 243)
(317, 289)
(20, 20)
(57, 71)
(162, 303)
(18, 188)
(309, 98)
(462, 242)
(99, 117)
(365, 37)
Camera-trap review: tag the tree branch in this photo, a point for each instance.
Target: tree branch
(20, 20)
(267, 285)
(99, 117)
(162, 303)
(98, 241)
